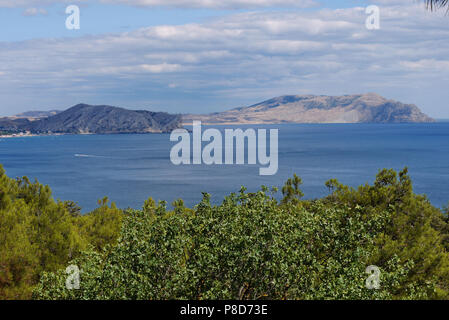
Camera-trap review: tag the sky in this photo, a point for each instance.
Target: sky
(201, 56)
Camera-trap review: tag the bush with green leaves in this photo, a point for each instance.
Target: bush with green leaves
(252, 246)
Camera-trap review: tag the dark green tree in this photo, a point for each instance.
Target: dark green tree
(291, 191)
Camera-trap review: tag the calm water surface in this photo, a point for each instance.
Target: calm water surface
(130, 168)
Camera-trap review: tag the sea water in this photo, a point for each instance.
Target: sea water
(131, 168)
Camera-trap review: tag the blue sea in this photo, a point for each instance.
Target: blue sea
(130, 168)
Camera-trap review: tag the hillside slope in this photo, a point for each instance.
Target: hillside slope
(366, 108)
(87, 119)
(32, 115)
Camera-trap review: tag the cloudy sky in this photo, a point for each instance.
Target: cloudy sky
(211, 55)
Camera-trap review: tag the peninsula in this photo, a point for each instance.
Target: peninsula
(358, 108)
(88, 119)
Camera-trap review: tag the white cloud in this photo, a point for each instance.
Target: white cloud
(160, 68)
(33, 3)
(210, 4)
(217, 4)
(427, 64)
(240, 57)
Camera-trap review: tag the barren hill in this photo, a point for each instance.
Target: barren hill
(358, 108)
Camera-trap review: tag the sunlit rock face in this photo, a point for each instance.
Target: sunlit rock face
(358, 108)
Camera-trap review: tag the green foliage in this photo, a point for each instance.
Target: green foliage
(291, 192)
(417, 231)
(436, 4)
(101, 226)
(253, 247)
(37, 234)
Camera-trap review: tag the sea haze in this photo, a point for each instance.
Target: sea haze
(130, 168)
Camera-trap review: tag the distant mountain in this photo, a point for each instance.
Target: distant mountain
(13, 125)
(359, 108)
(36, 114)
(87, 119)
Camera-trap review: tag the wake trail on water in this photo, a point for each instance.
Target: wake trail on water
(81, 155)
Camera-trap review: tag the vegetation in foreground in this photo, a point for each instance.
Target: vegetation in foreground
(252, 246)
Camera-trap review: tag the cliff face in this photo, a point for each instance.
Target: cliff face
(85, 119)
(318, 109)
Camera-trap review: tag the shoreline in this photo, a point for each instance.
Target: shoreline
(17, 135)
(27, 135)
(188, 124)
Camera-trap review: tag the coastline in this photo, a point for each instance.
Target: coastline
(29, 134)
(188, 123)
(17, 135)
